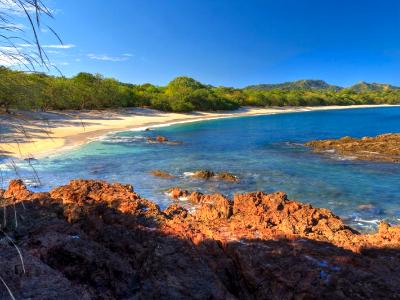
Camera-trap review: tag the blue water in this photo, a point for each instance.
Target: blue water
(265, 152)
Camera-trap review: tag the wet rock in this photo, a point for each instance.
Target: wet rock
(385, 147)
(204, 174)
(207, 174)
(226, 176)
(161, 139)
(177, 193)
(370, 208)
(162, 174)
(29, 159)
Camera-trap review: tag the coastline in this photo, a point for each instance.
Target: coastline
(52, 132)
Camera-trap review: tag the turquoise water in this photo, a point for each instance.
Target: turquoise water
(265, 152)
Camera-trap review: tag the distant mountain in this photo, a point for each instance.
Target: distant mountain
(297, 85)
(320, 85)
(363, 86)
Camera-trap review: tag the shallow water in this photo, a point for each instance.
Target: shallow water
(265, 152)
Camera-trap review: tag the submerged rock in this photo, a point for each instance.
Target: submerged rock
(162, 174)
(226, 176)
(385, 147)
(94, 240)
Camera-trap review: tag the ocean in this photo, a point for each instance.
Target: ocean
(267, 153)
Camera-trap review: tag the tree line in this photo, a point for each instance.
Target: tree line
(37, 91)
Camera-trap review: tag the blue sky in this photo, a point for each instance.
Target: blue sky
(228, 42)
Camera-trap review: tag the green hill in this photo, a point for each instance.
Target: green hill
(296, 85)
(363, 86)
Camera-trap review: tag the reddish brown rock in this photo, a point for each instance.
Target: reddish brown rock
(207, 174)
(95, 240)
(177, 193)
(204, 174)
(17, 190)
(212, 207)
(161, 139)
(385, 147)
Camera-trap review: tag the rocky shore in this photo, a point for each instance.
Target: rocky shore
(385, 147)
(95, 240)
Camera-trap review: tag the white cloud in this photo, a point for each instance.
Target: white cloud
(105, 57)
(55, 46)
(14, 7)
(25, 45)
(14, 27)
(10, 56)
(8, 49)
(59, 46)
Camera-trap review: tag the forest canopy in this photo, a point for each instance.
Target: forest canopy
(38, 91)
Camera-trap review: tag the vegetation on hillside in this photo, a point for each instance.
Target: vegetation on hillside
(21, 90)
(296, 85)
(365, 87)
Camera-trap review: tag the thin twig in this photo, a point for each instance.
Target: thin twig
(16, 247)
(8, 289)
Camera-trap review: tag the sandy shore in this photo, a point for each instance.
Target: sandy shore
(38, 134)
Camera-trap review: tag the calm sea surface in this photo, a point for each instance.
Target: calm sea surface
(265, 152)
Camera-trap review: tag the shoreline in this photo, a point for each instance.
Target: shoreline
(54, 132)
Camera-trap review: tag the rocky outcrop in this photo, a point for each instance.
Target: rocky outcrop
(385, 147)
(207, 174)
(96, 240)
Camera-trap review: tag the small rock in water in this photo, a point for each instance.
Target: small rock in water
(28, 159)
(162, 174)
(161, 139)
(366, 207)
(226, 176)
(370, 208)
(206, 174)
